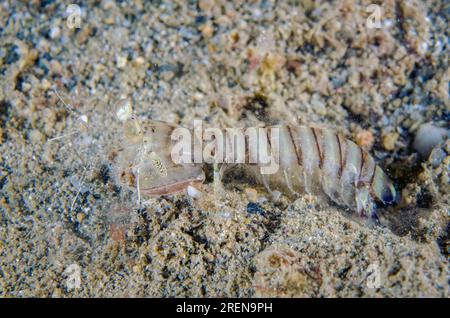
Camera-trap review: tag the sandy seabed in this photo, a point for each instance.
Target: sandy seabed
(69, 228)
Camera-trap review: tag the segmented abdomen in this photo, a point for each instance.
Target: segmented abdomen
(316, 161)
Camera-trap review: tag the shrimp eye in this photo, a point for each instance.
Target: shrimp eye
(132, 130)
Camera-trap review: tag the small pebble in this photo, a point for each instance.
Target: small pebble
(437, 156)
(45, 84)
(193, 192)
(139, 61)
(121, 61)
(276, 195)
(428, 137)
(255, 208)
(198, 96)
(389, 140)
(80, 217)
(137, 268)
(252, 194)
(167, 76)
(124, 109)
(207, 30)
(206, 5)
(54, 32)
(365, 139)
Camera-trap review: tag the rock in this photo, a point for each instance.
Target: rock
(55, 32)
(80, 217)
(365, 139)
(252, 194)
(124, 109)
(389, 140)
(121, 61)
(255, 208)
(194, 192)
(428, 136)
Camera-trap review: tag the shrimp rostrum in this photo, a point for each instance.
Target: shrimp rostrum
(292, 159)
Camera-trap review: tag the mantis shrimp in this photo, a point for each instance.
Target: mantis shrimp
(311, 160)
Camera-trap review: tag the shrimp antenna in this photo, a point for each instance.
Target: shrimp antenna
(81, 117)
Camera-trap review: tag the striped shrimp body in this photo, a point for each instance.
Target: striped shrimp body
(311, 160)
(319, 161)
